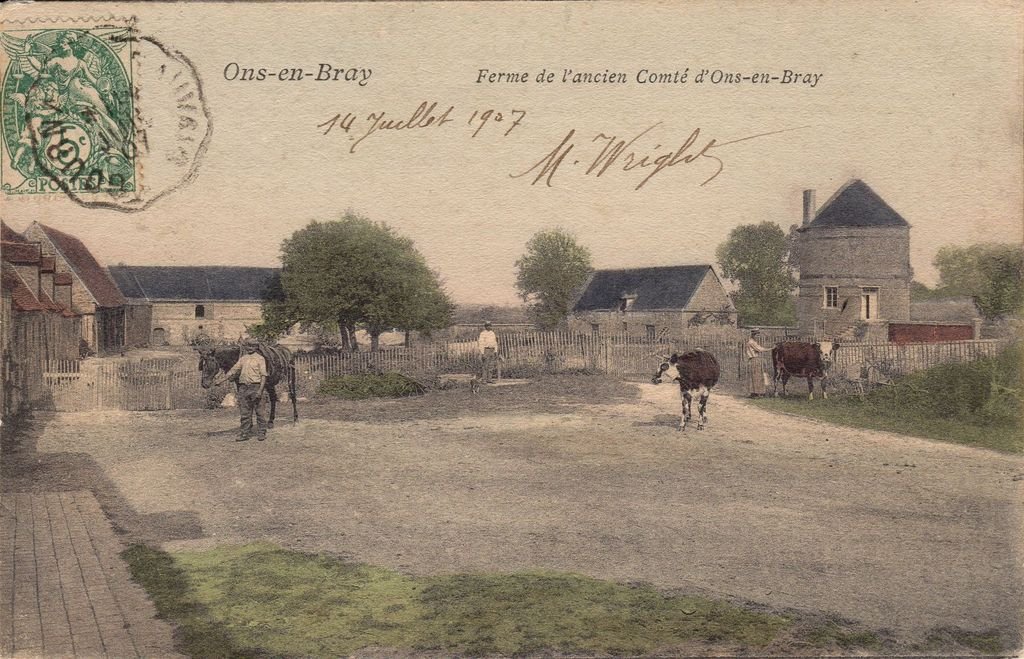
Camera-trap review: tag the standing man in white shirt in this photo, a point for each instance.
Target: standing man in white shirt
(251, 371)
(757, 372)
(488, 345)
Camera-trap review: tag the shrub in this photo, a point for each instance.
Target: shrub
(370, 385)
(988, 390)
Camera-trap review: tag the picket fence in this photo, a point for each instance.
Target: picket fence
(174, 382)
(144, 384)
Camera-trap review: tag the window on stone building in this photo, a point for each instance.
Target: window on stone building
(831, 297)
(595, 328)
(200, 311)
(625, 327)
(652, 332)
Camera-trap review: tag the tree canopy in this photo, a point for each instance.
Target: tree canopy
(355, 272)
(550, 273)
(991, 273)
(754, 257)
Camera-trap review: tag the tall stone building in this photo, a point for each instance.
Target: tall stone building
(853, 256)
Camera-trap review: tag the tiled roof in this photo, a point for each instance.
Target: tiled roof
(856, 205)
(62, 279)
(21, 296)
(20, 253)
(49, 304)
(48, 264)
(669, 287)
(102, 288)
(193, 282)
(7, 234)
(952, 309)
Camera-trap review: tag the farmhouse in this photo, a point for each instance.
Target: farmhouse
(652, 302)
(91, 294)
(37, 325)
(854, 261)
(189, 301)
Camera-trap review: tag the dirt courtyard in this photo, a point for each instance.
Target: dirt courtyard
(894, 532)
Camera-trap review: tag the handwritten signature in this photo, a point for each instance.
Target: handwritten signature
(630, 154)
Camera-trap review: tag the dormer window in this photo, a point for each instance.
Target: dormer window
(626, 302)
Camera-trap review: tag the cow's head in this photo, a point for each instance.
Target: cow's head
(666, 367)
(827, 350)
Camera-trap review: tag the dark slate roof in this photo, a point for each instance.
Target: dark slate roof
(86, 267)
(952, 309)
(669, 287)
(857, 205)
(209, 282)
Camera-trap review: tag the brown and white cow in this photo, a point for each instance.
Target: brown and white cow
(802, 360)
(697, 370)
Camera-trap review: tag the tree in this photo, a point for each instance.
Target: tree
(355, 272)
(550, 274)
(755, 256)
(920, 292)
(991, 273)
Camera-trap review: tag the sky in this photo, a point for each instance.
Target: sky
(923, 101)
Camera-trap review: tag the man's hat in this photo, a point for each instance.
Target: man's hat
(252, 343)
(487, 323)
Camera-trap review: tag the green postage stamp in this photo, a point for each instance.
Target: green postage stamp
(68, 111)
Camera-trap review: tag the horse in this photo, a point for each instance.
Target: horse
(280, 365)
(803, 360)
(697, 370)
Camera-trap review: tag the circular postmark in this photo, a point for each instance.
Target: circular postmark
(109, 118)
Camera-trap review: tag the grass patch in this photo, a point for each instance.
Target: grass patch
(977, 404)
(370, 385)
(832, 633)
(989, 642)
(262, 600)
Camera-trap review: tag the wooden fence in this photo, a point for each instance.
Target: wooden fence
(174, 383)
(30, 341)
(124, 384)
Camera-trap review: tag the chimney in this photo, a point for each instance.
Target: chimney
(62, 289)
(809, 207)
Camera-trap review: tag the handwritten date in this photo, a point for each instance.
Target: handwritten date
(426, 116)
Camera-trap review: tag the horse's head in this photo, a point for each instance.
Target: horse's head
(208, 366)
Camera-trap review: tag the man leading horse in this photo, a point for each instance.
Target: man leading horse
(251, 372)
(257, 369)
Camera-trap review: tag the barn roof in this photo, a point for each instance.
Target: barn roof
(857, 205)
(20, 253)
(951, 309)
(85, 267)
(8, 234)
(22, 296)
(667, 287)
(207, 282)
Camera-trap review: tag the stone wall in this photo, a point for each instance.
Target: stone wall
(851, 259)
